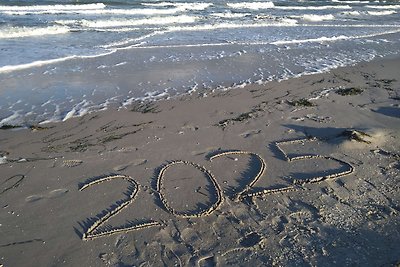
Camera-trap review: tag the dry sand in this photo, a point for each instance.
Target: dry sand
(303, 172)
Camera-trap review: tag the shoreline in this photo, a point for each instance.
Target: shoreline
(78, 87)
(303, 171)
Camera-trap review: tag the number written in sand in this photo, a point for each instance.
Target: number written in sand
(94, 229)
(251, 182)
(297, 184)
(94, 225)
(210, 177)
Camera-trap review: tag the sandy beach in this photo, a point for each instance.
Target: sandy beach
(302, 172)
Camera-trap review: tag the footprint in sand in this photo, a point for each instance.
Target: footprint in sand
(205, 151)
(33, 198)
(56, 193)
(190, 127)
(250, 133)
(135, 162)
(250, 240)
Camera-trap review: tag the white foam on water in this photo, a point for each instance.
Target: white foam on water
(353, 25)
(230, 15)
(133, 40)
(283, 22)
(53, 7)
(182, 6)
(205, 27)
(325, 65)
(193, 6)
(130, 22)
(311, 40)
(161, 4)
(251, 5)
(312, 7)
(114, 11)
(351, 2)
(123, 29)
(9, 68)
(315, 18)
(56, 116)
(13, 119)
(98, 12)
(177, 46)
(381, 13)
(333, 38)
(19, 32)
(154, 95)
(78, 110)
(385, 7)
(351, 13)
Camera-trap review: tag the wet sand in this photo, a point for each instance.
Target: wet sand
(303, 172)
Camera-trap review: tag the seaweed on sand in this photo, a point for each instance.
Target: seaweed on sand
(349, 91)
(302, 102)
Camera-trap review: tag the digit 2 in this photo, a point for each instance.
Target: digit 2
(133, 189)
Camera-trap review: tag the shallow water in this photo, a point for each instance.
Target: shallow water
(60, 59)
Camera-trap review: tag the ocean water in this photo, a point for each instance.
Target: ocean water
(60, 59)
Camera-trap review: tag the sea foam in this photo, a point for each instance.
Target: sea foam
(312, 7)
(130, 22)
(385, 7)
(141, 11)
(52, 7)
(19, 32)
(314, 17)
(251, 5)
(381, 13)
(184, 6)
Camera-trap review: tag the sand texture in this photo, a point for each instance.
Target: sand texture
(303, 172)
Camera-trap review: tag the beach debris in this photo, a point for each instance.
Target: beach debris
(36, 128)
(356, 136)
(9, 126)
(302, 102)
(70, 163)
(114, 137)
(319, 119)
(349, 91)
(250, 133)
(144, 107)
(387, 153)
(252, 114)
